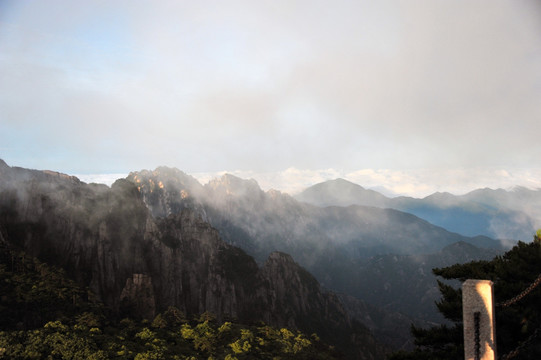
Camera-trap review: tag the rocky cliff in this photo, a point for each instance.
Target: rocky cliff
(138, 264)
(329, 241)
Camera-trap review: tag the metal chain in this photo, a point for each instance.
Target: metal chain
(537, 331)
(522, 345)
(522, 294)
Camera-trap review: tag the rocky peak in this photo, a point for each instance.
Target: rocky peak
(273, 193)
(168, 191)
(231, 185)
(163, 176)
(279, 197)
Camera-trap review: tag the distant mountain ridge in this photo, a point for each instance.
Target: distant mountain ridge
(501, 214)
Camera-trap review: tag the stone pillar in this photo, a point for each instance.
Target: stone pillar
(478, 317)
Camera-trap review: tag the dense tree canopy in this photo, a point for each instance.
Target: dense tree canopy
(516, 323)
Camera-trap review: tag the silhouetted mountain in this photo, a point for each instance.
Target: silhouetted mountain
(507, 215)
(107, 239)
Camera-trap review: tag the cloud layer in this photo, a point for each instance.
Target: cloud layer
(109, 87)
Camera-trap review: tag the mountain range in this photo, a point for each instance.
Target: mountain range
(160, 238)
(335, 243)
(506, 215)
(139, 265)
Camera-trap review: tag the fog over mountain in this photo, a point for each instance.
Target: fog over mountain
(378, 258)
(236, 109)
(337, 244)
(138, 264)
(504, 214)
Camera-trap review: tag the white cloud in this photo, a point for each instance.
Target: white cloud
(267, 85)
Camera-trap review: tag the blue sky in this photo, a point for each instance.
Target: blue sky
(416, 96)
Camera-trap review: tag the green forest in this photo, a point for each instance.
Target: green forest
(45, 315)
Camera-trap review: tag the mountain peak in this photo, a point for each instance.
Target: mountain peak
(342, 182)
(163, 172)
(339, 183)
(341, 192)
(233, 185)
(442, 198)
(162, 176)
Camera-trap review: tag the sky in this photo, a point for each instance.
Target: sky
(413, 96)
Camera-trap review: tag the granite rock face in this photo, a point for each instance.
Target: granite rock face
(138, 294)
(136, 263)
(341, 246)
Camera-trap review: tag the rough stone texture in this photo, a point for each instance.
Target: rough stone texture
(139, 295)
(477, 296)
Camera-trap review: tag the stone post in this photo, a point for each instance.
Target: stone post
(478, 317)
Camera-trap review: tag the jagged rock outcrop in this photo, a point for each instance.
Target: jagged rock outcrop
(107, 239)
(158, 193)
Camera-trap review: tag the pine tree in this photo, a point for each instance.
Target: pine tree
(520, 322)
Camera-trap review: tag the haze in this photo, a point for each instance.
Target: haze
(416, 96)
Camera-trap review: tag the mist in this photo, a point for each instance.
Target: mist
(380, 255)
